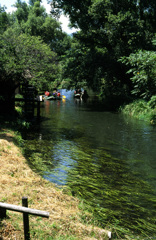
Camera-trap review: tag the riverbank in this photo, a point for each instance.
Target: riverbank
(142, 110)
(18, 180)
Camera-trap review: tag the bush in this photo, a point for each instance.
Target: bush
(152, 102)
(142, 110)
(143, 71)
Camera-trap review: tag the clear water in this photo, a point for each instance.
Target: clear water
(106, 158)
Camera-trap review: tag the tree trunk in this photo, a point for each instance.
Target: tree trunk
(7, 98)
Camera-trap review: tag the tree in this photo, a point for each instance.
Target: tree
(36, 22)
(81, 66)
(110, 30)
(24, 59)
(4, 20)
(27, 55)
(77, 11)
(143, 71)
(32, 2)
(22, 11)
(29, 42)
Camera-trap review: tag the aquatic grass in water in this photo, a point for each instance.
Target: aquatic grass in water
(38, 154)
(113, 193)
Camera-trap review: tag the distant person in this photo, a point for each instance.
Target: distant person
(58, 94)
(84, 94)
(47, 93)
(55, 92)
(79, 91)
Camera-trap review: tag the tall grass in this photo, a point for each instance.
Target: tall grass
(142, 110)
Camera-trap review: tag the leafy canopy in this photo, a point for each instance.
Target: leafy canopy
(27, 57)
(143, 71)
(108, 31)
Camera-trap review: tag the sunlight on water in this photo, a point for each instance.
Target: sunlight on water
(62, 157)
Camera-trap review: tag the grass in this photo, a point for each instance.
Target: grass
(141, 110)
(18, 180)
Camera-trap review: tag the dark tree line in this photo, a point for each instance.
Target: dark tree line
(108, 32)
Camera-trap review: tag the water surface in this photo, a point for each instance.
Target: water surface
(105, 158)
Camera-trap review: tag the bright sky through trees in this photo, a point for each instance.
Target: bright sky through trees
(63, 19)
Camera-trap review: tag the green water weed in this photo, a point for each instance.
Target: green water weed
(120, 199)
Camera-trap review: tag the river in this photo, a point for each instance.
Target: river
(106, 158)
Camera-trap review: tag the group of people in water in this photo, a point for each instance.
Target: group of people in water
(77, 93)
(55, 93)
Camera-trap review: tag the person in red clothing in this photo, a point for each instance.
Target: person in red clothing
(58, 94)
(47, 93)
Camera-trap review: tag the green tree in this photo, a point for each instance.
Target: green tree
(34, 20)
(24, 59)
(22, 11)
(81, 66)
(29, 42)
(32, 2)
(110, 30)
(27, 57)
(143, 71)
(4, 20)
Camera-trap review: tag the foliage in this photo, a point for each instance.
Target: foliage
(22, 11)
(89, 14)
(4, 21)
(38, 23)
(152, 102)
(29, 37)
(142, 110)
(107, 31)
(31, 45)
(143, 72)
(80, 66)
(26, 57)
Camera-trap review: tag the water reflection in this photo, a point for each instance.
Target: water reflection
(63, 160)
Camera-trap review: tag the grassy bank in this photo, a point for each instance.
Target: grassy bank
(18, 180)
(142, 110)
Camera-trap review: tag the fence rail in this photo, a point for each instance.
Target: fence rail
(25, 210)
